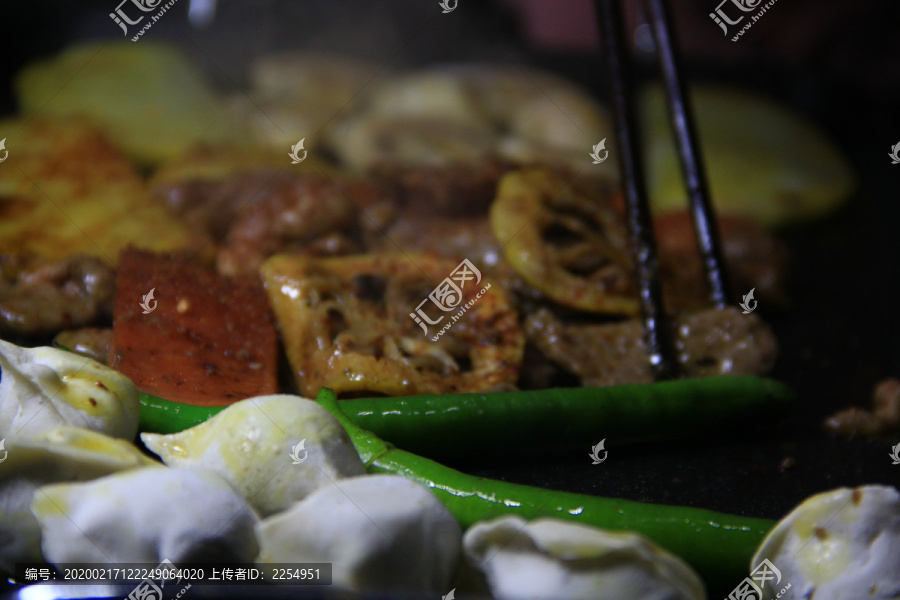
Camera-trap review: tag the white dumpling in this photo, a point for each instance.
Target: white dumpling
(368, 140)
(43, 388)
(146, 515)
(295, 94)
(500, 89)
(250, 444)
(61, 454)
(562, 118)
(327, 78)
(550, 558)
(840, 544)
(431, 94)
(380, 532)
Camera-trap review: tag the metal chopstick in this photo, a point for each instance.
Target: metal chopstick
(692, 167)
(657, 333)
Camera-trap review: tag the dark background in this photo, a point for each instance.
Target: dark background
(838, 63)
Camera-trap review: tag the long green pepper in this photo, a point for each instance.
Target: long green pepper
(472, 423)
(717, 545)
(451, 424)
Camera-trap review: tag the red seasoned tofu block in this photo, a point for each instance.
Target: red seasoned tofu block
(208, 340)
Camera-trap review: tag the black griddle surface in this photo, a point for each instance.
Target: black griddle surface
(837, 340)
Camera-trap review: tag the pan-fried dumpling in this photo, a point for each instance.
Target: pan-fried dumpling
(562, 118)
(274, 450)
(61, 454)
(843, 543)
(367, 140)
(331, 78)
(146, 515)
(431, 94)
(380, 532)
(550, 558)
(43, 388)
(299, 94)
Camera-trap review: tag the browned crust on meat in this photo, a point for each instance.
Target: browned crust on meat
(210, 340)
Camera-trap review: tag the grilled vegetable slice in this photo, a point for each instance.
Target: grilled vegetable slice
(214, 164)
(207, 340)
(67, 190)
(561, 417)
(346, 324)
(148, 96)
(564, 241)
(762, 159)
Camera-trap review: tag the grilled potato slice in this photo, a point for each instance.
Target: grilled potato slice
(346, 324)
(67, 190)
(208, 163)
(148, 97)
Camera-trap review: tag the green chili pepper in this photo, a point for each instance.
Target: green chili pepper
(511, 421)
(718, 546)
(164, 416)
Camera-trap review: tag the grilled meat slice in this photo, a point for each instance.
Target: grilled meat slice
(40, 296)
(708, 342)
